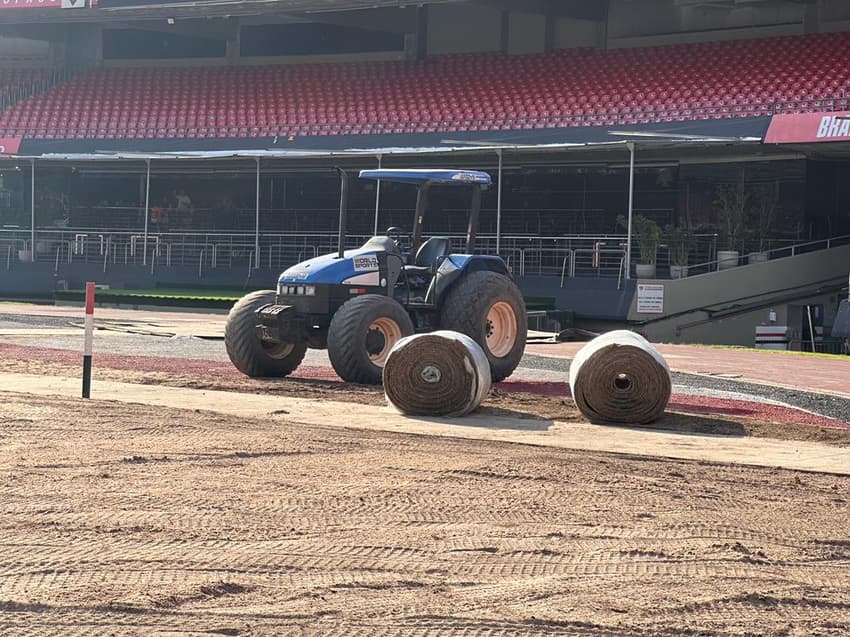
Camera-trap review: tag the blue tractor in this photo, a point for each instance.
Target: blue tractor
(359, 303)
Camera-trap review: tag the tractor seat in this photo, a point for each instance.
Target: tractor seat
(427, 256)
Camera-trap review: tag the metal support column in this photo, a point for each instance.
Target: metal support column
(377, 197)
(499, 205)
(32, 211)
(147, 209)
(631, 147)
(257, 222)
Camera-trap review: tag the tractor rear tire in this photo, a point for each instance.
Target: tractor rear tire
(489, 308)
(247, 351)
(361, 335)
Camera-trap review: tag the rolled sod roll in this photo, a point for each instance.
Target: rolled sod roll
(438, 374)
(620, 378)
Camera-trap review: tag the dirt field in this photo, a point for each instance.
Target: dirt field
(124, 519)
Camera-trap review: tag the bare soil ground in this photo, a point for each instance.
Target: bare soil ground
(124, 519)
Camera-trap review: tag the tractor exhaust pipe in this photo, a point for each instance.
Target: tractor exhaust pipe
(343, 211)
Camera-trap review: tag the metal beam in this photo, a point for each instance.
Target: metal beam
(32, 211)
(499, 205)
(343, 212)
(631, 147)
(472, 229)
(419, 216)
(377, 197)
(147, 208)
(257, 222)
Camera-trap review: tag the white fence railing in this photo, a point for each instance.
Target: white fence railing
(600, 256)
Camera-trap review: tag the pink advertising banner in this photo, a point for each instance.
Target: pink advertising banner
(801, 128)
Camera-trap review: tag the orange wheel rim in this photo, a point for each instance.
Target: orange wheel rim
(501, 329)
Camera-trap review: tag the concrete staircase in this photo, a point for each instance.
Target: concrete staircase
(723, 307)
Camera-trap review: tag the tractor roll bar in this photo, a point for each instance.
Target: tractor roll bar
(474, 211)
(343, 210)
(419, 218)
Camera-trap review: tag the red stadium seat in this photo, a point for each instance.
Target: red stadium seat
(482, 91)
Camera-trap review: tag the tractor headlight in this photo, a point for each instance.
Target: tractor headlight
(296, 290)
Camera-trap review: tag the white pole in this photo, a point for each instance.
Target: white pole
(89, 337)
(377, 197)
(257, 222)
(499, 205)
(631, 147)
(147, 208)
(32, 213)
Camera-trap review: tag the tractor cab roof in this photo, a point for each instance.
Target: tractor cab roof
(429, 176)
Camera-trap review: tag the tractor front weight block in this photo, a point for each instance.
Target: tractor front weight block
(280, 324)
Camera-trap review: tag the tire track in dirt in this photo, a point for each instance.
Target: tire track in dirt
(121, 523)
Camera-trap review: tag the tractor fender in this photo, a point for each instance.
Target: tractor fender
(455, 266)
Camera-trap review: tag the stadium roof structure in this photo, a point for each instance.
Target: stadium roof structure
(123, 10)
(450, 148)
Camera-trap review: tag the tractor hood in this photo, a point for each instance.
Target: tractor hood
(359, 267)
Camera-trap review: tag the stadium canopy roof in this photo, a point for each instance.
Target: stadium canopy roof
(616, 154)
(706, 148)
(163, 9)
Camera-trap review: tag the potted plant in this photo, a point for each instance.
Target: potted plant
(731, 203)
(648, 235)
(679, 240)
(765, 201)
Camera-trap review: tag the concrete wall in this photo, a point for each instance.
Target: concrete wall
(660, 22)
(834, 10)
(463, 28)
(12, 49)
(526, 33)
(771, 284)
(590, 298)
(40, 280)
(570, 33)
(83, 45)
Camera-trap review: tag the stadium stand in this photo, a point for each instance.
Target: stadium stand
(482, 91)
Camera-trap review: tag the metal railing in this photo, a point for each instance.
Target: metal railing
(789, 250)
(526, 255)
(562, 257)
(515, 221)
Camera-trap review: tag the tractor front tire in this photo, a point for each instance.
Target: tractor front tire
(489, 308)
(361, 335)
(247, 351)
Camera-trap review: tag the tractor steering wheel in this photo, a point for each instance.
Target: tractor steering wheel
(396, 234)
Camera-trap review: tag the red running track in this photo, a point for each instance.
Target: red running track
(679, 402)
(828, 375)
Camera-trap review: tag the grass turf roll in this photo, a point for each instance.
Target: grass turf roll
(620, 378)
(438, 374)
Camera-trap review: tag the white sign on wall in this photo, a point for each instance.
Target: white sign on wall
(650, 298)
(73, 4)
